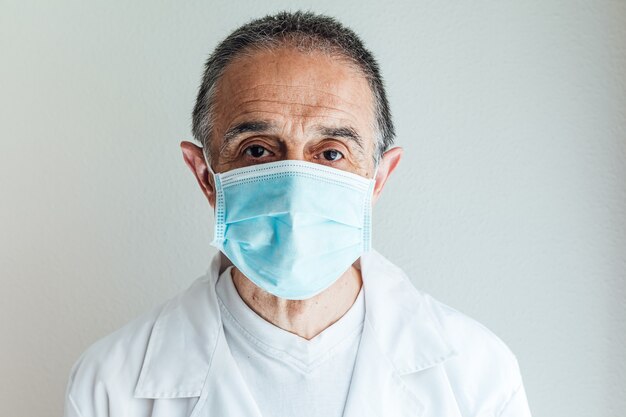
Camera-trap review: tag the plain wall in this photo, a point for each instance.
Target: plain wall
(510, 203)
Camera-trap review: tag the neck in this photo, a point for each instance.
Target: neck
(305, 318)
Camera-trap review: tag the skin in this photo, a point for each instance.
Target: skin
(286, 104)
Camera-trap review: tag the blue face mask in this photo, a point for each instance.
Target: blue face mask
(292, 227)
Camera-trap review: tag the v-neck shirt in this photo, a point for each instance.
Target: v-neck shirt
(286, 374)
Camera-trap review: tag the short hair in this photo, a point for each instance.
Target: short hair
(307, 31)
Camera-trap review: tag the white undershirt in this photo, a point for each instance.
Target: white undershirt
(288, 375)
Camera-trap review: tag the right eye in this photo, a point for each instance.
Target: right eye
(256, 151)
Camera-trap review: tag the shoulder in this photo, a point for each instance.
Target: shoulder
(484, 372)
(105, 378)
(469, 336)
(113, 363)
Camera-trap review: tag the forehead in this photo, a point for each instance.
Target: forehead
(291, 86)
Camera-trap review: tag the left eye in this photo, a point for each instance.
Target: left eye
(332, 155)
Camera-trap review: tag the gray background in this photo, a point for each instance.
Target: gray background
(509, 205)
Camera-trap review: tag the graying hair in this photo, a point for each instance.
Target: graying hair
(306, 31)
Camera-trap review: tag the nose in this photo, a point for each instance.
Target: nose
(294, 151)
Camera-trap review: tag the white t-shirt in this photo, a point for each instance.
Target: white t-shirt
(288, 375)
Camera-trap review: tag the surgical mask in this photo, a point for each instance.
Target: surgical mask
(292, 227)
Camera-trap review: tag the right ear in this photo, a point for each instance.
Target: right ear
(194, 158)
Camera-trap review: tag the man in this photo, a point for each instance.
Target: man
(296, 316)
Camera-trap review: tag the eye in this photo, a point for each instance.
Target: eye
(256, 151)
(332, 155)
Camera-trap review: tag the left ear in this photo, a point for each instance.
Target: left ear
(386, 166)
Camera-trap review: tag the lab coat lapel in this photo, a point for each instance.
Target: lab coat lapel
(376, 389)
(401, 343)
(183, 341)
(178, 356)
(225, 392)
(188, 356)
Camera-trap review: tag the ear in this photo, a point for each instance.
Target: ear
(386, 166)
(194, 158)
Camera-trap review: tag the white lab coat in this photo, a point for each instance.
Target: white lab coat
(417, 357)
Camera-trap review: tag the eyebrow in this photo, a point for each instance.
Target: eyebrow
(263, 126)
(255, 126)
(346, 132)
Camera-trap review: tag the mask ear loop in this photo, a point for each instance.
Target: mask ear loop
(207, 163)
(376, 170)
(373, 179)
(219, 213)
(367, 229)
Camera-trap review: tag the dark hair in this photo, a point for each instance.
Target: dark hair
(306, 31)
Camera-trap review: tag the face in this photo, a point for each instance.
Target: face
(285, 104)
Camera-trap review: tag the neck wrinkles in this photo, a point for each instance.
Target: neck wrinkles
(305, 318)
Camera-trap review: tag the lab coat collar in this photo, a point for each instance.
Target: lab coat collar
(401, 317)
(183, 341)
(186, 334)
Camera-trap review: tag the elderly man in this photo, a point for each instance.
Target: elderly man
(297, 315)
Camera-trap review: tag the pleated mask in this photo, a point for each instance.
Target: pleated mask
(292, 227)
